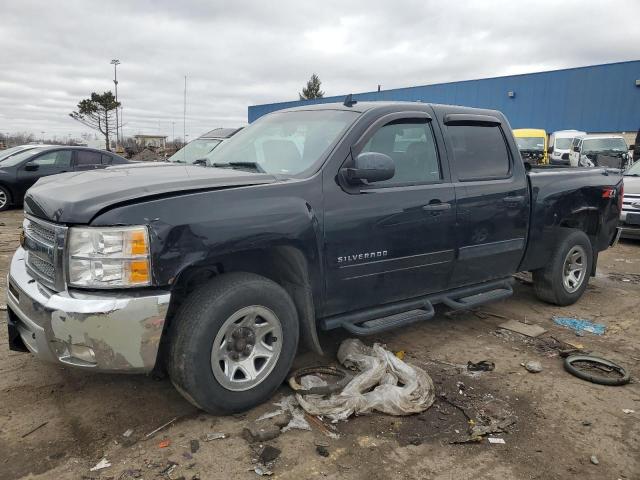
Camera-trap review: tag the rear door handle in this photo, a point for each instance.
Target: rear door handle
(436, 207)
(517, 200)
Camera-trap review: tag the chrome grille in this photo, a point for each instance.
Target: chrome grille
(44, 268)
(631, 202)
(41, 233)
(44, 243)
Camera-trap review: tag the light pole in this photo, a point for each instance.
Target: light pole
(115, 62)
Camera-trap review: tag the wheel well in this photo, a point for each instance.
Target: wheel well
(586, 220)
(284, 265)
(8, 190)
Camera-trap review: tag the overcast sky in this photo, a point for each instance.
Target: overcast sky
(237, 53)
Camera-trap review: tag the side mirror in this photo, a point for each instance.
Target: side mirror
(370, 167)
(31, 166)
(201, 161)
(576, 149)
(565, 156)
(550, 150)
(632, 147)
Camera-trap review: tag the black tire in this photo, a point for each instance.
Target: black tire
(549, 281)
(623, 379)
(5, 199)
(196, 325)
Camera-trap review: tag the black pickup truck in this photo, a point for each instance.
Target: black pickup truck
(356, 216)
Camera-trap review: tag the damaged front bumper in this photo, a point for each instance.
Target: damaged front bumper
(106, 331)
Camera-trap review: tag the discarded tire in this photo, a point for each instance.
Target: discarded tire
(339, 376)
(622, 378)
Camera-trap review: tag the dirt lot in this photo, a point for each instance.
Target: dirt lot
(560, 421)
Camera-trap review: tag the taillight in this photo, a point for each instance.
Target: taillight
(620, 197)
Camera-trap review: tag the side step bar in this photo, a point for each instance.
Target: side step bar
(407, 312)
(472, 301)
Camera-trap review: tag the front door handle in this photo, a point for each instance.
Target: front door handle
(514, 201)
(436, 207)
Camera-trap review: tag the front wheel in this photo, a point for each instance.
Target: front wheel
(564, 279)
(233, 342)
(5, 199)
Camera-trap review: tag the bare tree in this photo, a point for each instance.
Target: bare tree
(98, 112)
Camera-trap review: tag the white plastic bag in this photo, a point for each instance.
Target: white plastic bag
(384, 383)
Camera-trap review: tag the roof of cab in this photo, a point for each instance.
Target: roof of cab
(362, 107)
(529, 132)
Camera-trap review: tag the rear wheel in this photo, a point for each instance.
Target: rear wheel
(564, 279)
(233, 342)
(5, 199)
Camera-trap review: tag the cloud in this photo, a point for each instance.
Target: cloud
(236, 54)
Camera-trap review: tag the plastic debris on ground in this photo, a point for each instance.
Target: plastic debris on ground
(383, 383)
(481, 366)
(580, 325)
(289, 405)
(628, 410)
(262, 471)
(127, 433)
(214, 436)
(164, 444)
(496, 440)
(104, 463)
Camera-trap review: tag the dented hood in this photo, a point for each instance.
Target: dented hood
(78, 197)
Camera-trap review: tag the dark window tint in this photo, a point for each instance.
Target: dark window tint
(58, 158)
(107, 159)
(84, 157)
(411, 145)
(479, 151)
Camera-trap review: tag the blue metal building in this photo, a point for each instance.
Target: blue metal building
(598, 98)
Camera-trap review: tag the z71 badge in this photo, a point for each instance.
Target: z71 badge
(362, 256)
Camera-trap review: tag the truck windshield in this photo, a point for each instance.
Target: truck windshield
(530, 143)
(286, 143)
(563, 143)
(195, 150)
(604, 145)
(15, 159)
(634, 170)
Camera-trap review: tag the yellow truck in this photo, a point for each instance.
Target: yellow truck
(532, 143)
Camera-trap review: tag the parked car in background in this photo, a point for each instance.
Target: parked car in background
(532, 143)
(560, 143)
(197, 150)
(636, 148)
(21, 170)
(9, 152)
(630, 216)
(356, 216)
(599, 151)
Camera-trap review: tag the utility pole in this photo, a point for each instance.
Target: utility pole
(184, 116)
(173, 134)
(115, 62)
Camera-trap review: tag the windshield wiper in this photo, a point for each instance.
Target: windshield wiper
(253, 165)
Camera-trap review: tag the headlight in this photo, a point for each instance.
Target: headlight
(113, 257)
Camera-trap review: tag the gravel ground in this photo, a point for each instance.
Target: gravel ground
(558, 422)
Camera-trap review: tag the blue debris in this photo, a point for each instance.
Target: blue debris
(580, 325)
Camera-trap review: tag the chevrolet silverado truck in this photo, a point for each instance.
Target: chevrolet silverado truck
(360, 216)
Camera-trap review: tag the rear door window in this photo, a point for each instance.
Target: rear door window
(86, 158)
(107, 159)
(480, 152)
